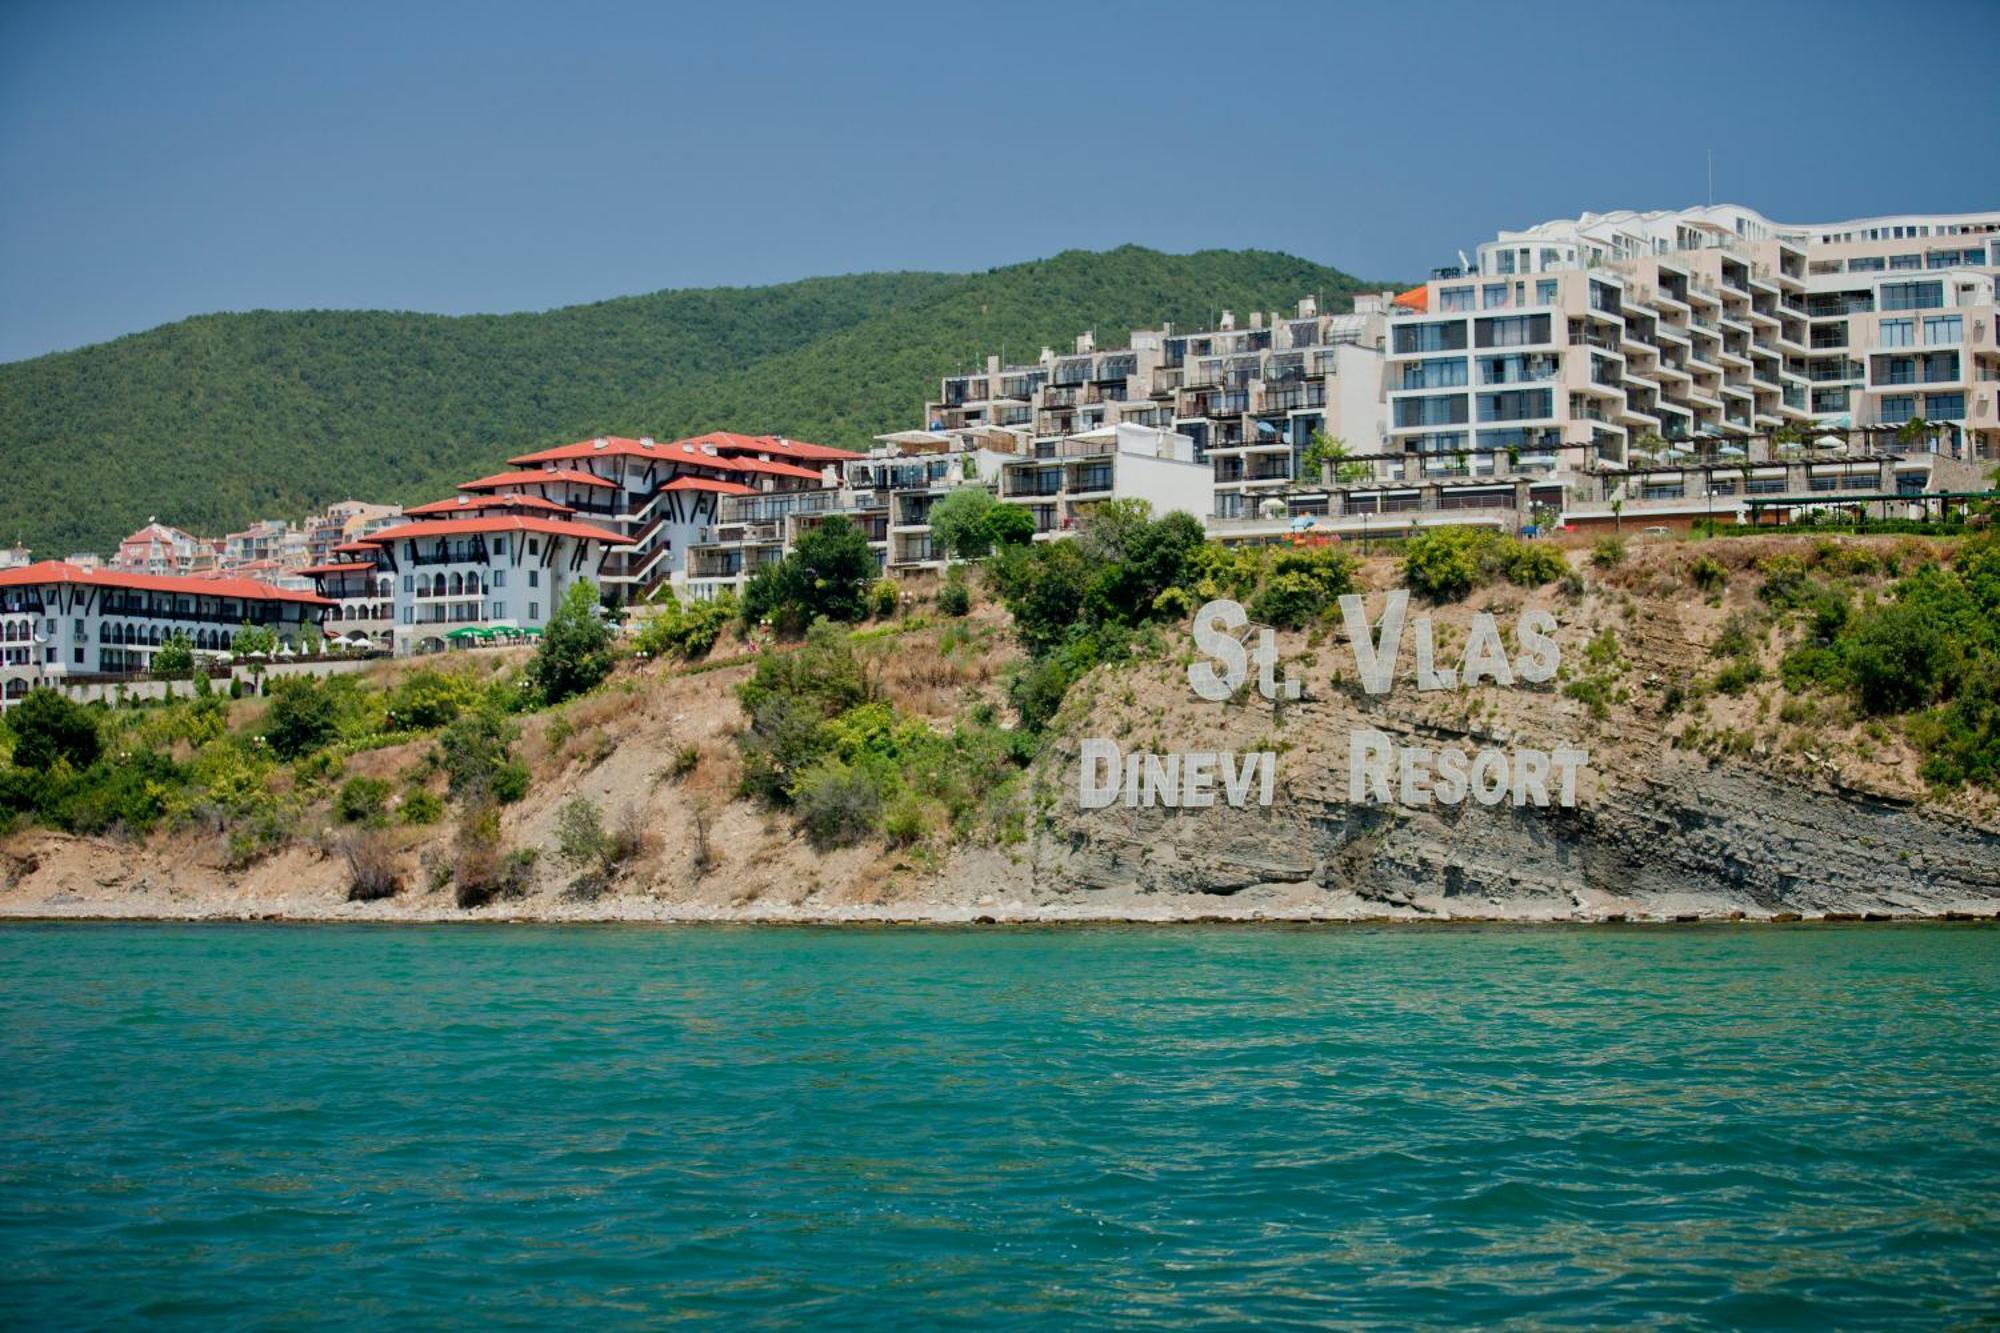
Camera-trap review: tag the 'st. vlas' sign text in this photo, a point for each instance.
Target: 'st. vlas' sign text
(1378, 769)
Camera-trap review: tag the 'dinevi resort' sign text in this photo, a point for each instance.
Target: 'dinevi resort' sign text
(1378, 769)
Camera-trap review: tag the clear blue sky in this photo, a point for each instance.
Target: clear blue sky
(159, 160)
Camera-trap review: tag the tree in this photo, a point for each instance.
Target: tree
(960, 522)
(1010, 525)
(254, 641)
(175, 660)
(1324, 449)
(575, 653)
(828, 574)
(48, 727)
(303, 717)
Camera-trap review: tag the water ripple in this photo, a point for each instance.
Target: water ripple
(1757, 1127)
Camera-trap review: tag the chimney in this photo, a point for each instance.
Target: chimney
(1086, 341)
(1256, 319)
(1228, 320)
(1308, 306)
(1048, 355)
(993, 365)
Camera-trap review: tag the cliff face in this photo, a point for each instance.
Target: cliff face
(1706, 807)
(1694, 800)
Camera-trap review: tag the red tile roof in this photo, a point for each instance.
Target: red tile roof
(718, 449)
(188, 585)
(466, 504)
(360, 547)
(467, 527)
(776, 445)
(312, 570)
(500, 481)
(687, 481)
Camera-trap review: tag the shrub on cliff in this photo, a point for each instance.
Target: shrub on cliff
(48, 727)
(838, 805)
(826, 575)
(304, 716)
(575, 652)
(1446, 564)
(476, 755)
(685, 629)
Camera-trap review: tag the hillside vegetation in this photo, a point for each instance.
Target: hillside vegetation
(222, 419)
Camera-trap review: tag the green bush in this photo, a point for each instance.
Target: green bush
(175, 660)
(48, 727)
(421, 806)
(685, 629)
(1608, 552)
(575, 651)
(826, 575)
(1708, 574)
(1738, 676)
(427, 699)
(954, 598)
(580, 838)
(884, 597)
(837, 805)
(304, 717)
(1445, 564)
(362, 800)
(475, 753)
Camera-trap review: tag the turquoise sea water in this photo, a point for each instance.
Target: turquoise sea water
(1710, 1126)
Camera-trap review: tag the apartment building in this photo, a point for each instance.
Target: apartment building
(159, 548)
(1062, 478)
(344, 521)
(1249, 397)
(888, 494)
(657, 497)
(503, 570)
(61, 623)
(1637, 357)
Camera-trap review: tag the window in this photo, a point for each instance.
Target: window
(1869, 265)
(409, 583)
(534, 578)
(1906, 261)
(1898, 332)
(1454, 298)
(1503, 261)
(499, 578)
(1447, 337)
(1545, 292)
(1912, 295)
(499, 546)
(1516, 405)
(1944, 406)
(409, 615)
(1443, 373)
(1494, 296)
(534, 546)
(499, 610)
(1513, 331)
(534, 611)
(1445, 410)
(1898, 408)
(1943, 328)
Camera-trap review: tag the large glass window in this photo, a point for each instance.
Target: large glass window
(1545, 292)
(1454, 298)
(1944, 406)
(1516, 405)
(1494, 296)
(1445, 410)
(1898, 332)
(1943, 328)
(1513, 331)
(1905, 261)
(1912, 295)
(1445, 337)
(1442, 373)
(1898, 408)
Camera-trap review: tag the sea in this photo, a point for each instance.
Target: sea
(250, 1126)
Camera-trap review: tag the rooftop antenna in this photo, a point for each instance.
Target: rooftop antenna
(1711, 178)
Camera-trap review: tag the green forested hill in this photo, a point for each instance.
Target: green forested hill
(218, 420)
